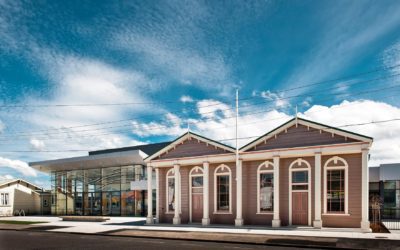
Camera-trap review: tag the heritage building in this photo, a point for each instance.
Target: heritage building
(301, 173)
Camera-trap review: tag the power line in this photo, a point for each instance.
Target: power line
(248, 137)
(178, 119)
(161, 126)
(171, 101)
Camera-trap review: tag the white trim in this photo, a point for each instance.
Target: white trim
(345, 166)
(308, 124)
(299, 161)
(188, 136)
(206, 194)
(222, 166)
(166, 189)
(157, 195)
(317, 190)
(331, 149)
(334, 214)
(266, 164)
(197, 169)
(194, 160)
(365, 225)
(149, 219)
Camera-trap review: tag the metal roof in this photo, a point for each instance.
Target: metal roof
(131, 157)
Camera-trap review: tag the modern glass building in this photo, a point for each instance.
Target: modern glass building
(384, 181)
(109, 182)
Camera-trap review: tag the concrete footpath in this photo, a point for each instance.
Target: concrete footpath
(134, 227)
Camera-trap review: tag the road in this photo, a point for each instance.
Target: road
(50, 240)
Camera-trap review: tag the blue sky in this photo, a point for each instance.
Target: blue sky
(180, 62)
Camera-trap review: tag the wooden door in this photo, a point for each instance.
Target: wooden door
(299, 208)
(197, 207)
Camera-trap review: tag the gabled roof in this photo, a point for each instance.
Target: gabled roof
(186, 136)
(19, 181)
(308, 123)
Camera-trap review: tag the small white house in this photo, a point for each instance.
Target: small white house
(19, 197)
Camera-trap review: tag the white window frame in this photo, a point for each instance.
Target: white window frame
(344, 166)
(195, 172)
(167, 176)
(260, 171)
(299, 162)
(5, 199)
(229, 173)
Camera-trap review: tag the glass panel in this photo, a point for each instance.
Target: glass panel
(299, 176)
(374, 186)
(389, 185)
(93, 183)
(61, 202)
(111, 179)
(127, 175)
(78, 203)
(223, 192)
(171, 194)
(128, 203)
(266, 192)
(111, 203)
(335, 192)
(300, 187)
(197, 181)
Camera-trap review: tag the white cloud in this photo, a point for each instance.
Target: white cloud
(37, 144)
(385, 148)
(6, 177)
(18, 165)
(173, 126)
(277, 98)
(186, 98)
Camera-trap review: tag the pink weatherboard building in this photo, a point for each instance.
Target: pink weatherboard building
(301, 173)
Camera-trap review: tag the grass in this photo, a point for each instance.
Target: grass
(20, 222)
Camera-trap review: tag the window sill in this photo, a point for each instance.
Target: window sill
(172, 213)
(333, 214)
(265, 213)
(222, 212)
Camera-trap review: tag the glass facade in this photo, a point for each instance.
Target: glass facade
(100, 191)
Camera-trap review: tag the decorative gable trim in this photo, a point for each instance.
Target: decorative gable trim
(189, 136)
(309, 124)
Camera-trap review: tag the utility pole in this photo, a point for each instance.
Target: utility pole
(237, 117)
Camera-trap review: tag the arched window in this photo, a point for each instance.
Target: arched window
(265, 187)
(336, 186)
(223, 189)
(170, 190)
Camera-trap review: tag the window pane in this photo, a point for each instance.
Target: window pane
(300, 187)
(171, 194)
(299, 176)
(223, 192)
(389, 185)
(335, 190)
(266, 192)
(197, 181)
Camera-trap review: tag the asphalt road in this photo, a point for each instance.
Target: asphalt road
(47, 240)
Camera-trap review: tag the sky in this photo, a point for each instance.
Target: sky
(86, 75)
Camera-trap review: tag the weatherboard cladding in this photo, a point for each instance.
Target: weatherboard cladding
(192, 147)
(301, 136)
(250, 215)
